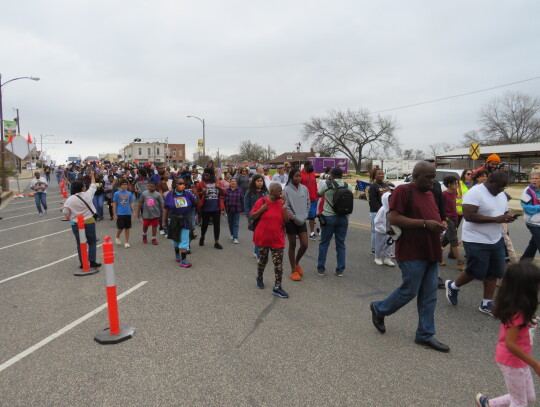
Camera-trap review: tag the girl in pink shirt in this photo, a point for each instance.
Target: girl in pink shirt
(515, 307)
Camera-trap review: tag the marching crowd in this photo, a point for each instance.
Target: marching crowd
(412, 224)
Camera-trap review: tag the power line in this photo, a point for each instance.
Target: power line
(387, 110)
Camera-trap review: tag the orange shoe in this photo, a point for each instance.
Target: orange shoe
(295, 276)
(299, 270)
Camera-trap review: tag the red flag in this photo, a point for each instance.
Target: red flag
(29, 138)
(10, 139)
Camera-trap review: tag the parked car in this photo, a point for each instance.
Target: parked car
(440, 174)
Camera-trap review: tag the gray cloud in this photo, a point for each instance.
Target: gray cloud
(112, 72)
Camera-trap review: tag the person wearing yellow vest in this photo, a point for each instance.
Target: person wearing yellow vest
(464, 185)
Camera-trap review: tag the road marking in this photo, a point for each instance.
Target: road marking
(31, 206)
(36, 238)
(41, 267)
(18, 216)
(65, 329)
(360, 224)
(31, 223)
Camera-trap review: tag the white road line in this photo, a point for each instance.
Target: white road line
(41, 267)
(18, 216)
(36, 238)
(62, 331)
(31, 223)
(31, 206)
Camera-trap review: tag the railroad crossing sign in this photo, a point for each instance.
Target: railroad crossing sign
(474, 151)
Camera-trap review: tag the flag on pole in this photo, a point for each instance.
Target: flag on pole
(29, 138)
(10, 139)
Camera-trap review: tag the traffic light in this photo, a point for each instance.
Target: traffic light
(137, 140)
(68, 142)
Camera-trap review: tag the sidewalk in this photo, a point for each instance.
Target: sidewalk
(24, 181)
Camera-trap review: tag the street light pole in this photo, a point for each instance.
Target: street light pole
(3, 178)
(203, 134)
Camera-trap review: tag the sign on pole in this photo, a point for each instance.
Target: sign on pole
(201, 144)
(474, 151)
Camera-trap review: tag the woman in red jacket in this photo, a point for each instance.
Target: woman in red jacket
(270, 235)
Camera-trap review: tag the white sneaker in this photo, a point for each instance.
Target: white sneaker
(41, 214)
(45, 211)
(378, 262)
(312, 236)
(232, 238)
(118, 241)
(127, 246)
(388, 262)
(235, 241)
(161, 232)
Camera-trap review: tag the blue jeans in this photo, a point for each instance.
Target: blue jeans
(420, 281)
(98, 203)
(41, 199)
(234, 223)
(335, 226)
(534, 243)
(91, 239)
(372, 218)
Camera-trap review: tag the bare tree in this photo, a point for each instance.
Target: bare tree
(418, 155)
(438, 148)
(407, 154)
(268, 154)
(351, 133)
(512, 119)
(249, 151)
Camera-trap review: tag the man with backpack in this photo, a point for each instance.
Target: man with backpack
(338, 204)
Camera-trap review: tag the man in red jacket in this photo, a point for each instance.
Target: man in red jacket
(308, 179)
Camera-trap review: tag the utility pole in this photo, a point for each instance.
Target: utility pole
(18, 160)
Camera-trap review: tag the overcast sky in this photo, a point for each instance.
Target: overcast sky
(113, 71)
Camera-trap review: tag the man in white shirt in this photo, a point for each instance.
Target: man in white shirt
(485, 208)
(80, 203)
(280, 175)
(39, 185)
(267, 178)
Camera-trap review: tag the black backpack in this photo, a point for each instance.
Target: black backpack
(343, 198)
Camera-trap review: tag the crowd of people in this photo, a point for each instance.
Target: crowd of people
(176, 201)
(411, 224)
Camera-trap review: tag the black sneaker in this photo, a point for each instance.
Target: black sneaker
(320, 272)
(260, 282)
(95, 264)
(201, 241)
(218, 246)
(451, 255)
(312, 236)
(279, 292)
(339, 273)
(451, 294)
(486, 309)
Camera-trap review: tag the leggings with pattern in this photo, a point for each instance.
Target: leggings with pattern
(520, 386)
(277, 259)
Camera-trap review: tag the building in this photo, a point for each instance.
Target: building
(296, 159)
(176, 154)
(154, 152)
(111, 157)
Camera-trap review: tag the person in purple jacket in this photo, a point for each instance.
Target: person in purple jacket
(177, 208)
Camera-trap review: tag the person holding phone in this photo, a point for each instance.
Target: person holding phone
(485, 208)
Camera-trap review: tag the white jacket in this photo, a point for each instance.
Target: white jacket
(380, 218)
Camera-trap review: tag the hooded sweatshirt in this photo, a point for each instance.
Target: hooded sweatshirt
(530, 202)
(380, 218)
(297, 202)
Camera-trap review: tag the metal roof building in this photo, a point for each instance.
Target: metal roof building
(515, 151)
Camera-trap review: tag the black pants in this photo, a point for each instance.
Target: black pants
(216, 218)
(109, 204)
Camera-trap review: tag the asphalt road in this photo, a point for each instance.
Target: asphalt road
(206, 336)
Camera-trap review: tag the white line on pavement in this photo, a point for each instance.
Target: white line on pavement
(31, 223)
(41, 267)
(18, 216)
(65, 329)
(30, 206)
(36, 238)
